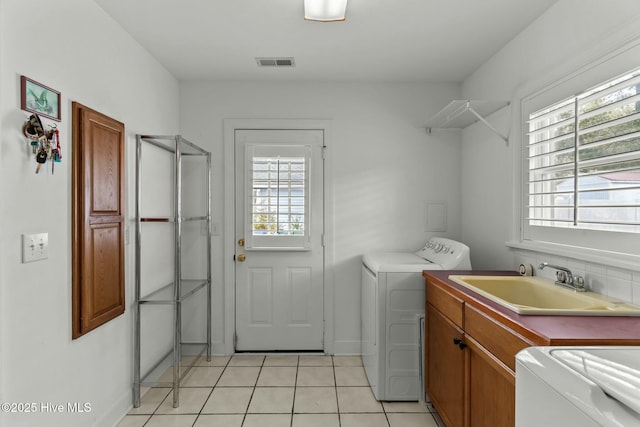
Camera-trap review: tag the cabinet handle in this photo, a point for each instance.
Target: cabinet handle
(459, 343)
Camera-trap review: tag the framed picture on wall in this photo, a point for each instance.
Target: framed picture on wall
(39, 99)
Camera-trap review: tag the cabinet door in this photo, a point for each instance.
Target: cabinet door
(492, 391)
(445, 368)
(98, 220)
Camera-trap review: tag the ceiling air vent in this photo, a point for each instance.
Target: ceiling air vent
(276, 62)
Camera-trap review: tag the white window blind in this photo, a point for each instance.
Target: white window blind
(278, 203)
(584, 159)
(277, 208)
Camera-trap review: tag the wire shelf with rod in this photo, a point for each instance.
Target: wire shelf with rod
(459, 114)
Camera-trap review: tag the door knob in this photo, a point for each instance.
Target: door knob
(241, 257)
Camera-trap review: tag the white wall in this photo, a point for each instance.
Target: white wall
(385, 167)
(74, 47)
(569, 36)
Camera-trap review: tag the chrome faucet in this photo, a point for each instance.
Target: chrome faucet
(564, 277)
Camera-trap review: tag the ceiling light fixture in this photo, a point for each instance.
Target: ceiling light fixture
(325, 10)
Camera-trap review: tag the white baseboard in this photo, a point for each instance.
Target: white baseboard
(117, 412)
(346, 348)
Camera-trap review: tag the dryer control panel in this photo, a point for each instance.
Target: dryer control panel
(450, 254)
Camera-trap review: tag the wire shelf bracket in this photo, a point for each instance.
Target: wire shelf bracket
(459, 114)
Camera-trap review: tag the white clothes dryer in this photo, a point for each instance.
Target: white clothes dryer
(392, 303)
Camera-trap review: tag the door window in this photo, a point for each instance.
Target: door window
(277, 209)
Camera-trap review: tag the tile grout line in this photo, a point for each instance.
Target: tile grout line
(212, 389)
(253, 391)
(335, 379)
(295, 391)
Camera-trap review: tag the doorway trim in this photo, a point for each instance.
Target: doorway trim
(229, 305)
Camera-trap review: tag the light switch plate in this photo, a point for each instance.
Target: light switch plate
(35, 247)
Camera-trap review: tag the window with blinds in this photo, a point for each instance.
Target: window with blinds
(584, 159)
(278, 202)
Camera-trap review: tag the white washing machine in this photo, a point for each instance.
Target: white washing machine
(392, 303)
(578, 387)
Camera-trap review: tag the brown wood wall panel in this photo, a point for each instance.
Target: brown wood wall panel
(97, 219)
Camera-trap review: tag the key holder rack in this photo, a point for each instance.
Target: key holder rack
(45, 144)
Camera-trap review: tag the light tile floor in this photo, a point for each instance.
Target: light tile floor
(276, 390)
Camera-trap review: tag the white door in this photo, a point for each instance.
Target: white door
(279, 249)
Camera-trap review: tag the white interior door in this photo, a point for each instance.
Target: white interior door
(279, 232)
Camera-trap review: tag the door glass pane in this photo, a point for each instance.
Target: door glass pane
(277, 199)
(278, 195)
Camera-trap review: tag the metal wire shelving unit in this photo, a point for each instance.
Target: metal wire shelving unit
(173, 294)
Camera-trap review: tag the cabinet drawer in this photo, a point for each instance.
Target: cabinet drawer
(499, 340)
(447, 304)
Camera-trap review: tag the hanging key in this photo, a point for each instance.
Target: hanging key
(55, 157)
(48, 149)
(41, 158)
(34, 146)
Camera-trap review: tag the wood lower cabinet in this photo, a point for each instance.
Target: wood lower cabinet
(491, 389)
(470, 364)
(471, 347)
(445, 370)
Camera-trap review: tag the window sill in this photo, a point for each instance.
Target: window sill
(607, 258)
